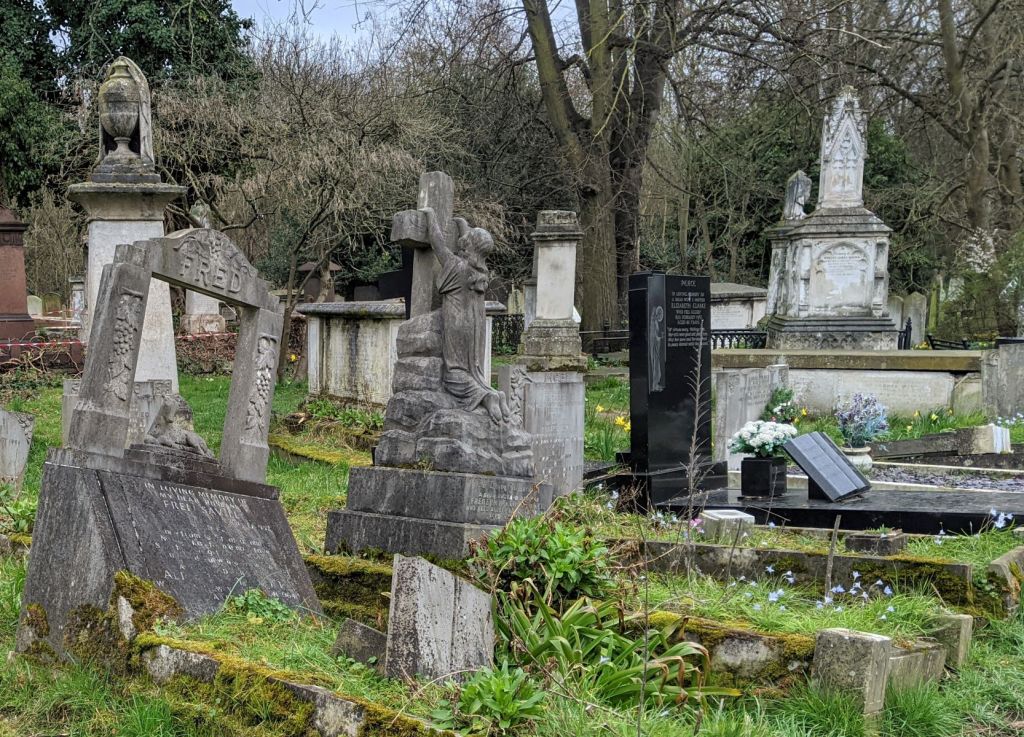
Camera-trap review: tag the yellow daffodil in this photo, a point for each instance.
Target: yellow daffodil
(910, 428)
(917, 413)
(293, 358)
(599, 408)
(803, 412)
(620, 421)
(796, 420)
(628, 427)
(934, 417)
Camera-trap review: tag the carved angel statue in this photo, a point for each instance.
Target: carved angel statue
(462, 282)
(798, 191)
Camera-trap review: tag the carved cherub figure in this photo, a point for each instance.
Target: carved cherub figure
(172, 428)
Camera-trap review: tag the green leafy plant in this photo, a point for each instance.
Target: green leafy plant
(16, 515)
(324, 409)
(258, 606)
(493, 701)
(562, 561)
(607, 652)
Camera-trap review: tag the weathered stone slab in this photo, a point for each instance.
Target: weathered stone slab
(360, 642)
(199, 544)
(449, 497)
(853, 663)
(353, 532)
(954, 633)
(921, 663)
(901, 392)
(15, 442)
(439, 625)
(147, 398)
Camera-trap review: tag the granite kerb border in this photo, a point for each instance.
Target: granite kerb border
(953, 581)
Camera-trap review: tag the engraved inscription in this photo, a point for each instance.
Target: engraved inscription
(686, 328)
(127, 322)
(213, 262)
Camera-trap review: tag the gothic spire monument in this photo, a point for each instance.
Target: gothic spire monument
(829, 283)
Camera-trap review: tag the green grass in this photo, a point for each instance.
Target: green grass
(772, 604)
(605, 419)
(979, 550)
(302, 646)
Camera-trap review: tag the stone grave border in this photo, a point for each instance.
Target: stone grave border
(955, 582)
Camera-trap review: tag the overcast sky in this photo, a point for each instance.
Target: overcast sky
(325, 17)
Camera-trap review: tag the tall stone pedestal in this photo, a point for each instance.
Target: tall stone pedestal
(126, 213)
(15, 322)
(545, 383)
(416, 512)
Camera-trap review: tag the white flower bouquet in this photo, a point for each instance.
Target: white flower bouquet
(762, 438)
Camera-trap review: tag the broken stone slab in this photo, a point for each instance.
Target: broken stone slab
(922, 662)
(953, 632)
(361, 643)
(854, 663)
(439, 625)
(1005, 569)
(15, 442)
(333, 714)
(726, 525)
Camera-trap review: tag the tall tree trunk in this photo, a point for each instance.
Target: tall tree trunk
(595, 260)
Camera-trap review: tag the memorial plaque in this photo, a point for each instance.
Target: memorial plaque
(670, 380)
(830, 475)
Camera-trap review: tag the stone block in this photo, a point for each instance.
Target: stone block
(984, 439)
(874, 543)
(725, 526)
(901, 392)
(15, 442)
(163, 663)
(853, 663)
(353, 532)
(552, 407)
(359, 642)
(448, 497)
(203, 324)
(921, 663)
(147, 398)
(439, 625)
(954, 632)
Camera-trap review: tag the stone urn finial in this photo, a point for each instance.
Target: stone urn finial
(120, 101)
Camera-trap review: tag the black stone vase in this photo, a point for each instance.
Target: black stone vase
(763, 477)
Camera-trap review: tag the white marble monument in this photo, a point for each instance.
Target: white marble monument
(829, 283)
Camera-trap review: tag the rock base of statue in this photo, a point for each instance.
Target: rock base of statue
(417, 512)
(425, 427)
(832, 333)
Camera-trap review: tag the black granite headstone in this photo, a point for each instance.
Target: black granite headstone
(830, 475)
(670, 383)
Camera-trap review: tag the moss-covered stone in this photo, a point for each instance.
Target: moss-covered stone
(149, 603)
(351, 587)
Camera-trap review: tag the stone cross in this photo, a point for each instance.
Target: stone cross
(409, 228)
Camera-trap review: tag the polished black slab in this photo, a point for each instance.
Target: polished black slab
(670, 380)
(830, 475)
(923, 512)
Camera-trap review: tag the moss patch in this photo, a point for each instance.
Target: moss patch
(149, 603)
(313, 452)
(351, 587)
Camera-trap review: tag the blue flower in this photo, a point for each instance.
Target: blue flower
(838, 589)
(887, 591)
(769, 569)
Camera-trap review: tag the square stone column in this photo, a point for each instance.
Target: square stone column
(124, 212)
(15, 322)
(545, 384)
